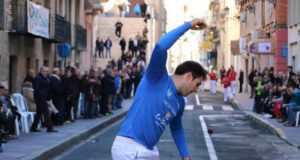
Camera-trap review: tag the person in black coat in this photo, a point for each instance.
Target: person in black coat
(56, 89)
(241, 79)
(107, 91)
(123, 45)
(108, 45)
(119, 26)
(99, 47)
(30, 76)
(42, 97)
(130, 45)
(69, 93)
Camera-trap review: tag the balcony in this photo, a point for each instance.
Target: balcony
(80, 38)
(214, 5)
(2, 9)
(16, 16)
(60, 29)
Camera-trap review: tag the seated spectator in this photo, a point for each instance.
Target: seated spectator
(10, 111)
(27, 92)
(293, 106)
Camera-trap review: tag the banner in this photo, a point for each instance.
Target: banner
(37, 19)
(243, 45)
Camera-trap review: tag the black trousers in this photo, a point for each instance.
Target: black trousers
(42, 109)
(8, 123)
(118, 32)
(241, 87)
(104, 103)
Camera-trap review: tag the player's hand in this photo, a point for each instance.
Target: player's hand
(187, 158)
(198, 24)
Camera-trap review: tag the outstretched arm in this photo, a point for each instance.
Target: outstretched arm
(157, 66)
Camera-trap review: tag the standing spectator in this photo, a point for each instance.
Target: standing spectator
(232, 76)
(293, 106)
(113, 63)
(129, 82)
(108, 45)
(118, 98)
(145, 31)
(130, 45)
(137, 10)
(119, 26)
(241, 79)
(42, 98)
(143, 8)
(135, 47)
(251, 81)
(290, 73)
(123, 45)
(56, 89)
(121, 8)
(226, 82)
(120, 64)
(144, 43)
(136, 78)
(91, 94)
(222, 73)
(99, 47)
(213, 78)
(69, 94)
(107, 91)
(30, 76)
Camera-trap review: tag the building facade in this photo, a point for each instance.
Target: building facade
(31, 32)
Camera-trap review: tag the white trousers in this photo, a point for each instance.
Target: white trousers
(227, 91)
(213, 86)
(233, 87)
(125, 148)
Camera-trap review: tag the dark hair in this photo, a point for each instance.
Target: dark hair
(191, 66)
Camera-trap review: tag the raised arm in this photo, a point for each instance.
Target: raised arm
(157, 66)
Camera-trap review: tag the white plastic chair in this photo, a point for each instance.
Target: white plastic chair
(17, 126)
(297, 118)
(27, 117)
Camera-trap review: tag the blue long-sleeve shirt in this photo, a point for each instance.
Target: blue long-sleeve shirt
(157, 102)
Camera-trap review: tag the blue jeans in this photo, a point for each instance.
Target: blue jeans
(108, 53)
(82, 106)
(291, 110)
(89, 109)
(117, 100)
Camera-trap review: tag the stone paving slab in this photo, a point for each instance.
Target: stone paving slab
(43, 145)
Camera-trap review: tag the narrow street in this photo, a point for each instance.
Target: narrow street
(234, 137)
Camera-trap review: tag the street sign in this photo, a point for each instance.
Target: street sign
(252, 48)
(284, 52)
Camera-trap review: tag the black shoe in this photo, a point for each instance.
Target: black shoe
(35, 130)
(51, 130)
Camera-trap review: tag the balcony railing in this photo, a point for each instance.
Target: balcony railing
(16, 16)
(80, 38)
(60, 29)
(2, 14)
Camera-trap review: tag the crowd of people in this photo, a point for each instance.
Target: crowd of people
(276, 95)
(56, 95)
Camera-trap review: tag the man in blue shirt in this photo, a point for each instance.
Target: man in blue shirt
(159, 102)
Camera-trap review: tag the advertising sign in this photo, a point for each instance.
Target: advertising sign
(37, 20)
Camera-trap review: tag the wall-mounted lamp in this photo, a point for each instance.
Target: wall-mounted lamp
(226, 10)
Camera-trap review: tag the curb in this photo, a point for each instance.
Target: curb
(264, 123)
(61, 145)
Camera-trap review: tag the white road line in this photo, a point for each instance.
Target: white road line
(227, 108)
(197, 99)
(210, 146)
(210, 108)
(189, 107)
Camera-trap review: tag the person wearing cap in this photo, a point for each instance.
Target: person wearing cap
(159, 102)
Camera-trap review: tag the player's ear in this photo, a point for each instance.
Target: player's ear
(188, 76)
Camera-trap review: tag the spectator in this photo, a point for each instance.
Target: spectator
(251, 81)
(118, 98)
(130, 45)
(30, 76)
(10, 111)
(143, 8)
(136, 77)
(28, 91)
(91, 94)
(137, 10)
(293, 106)
(57, 95)
(241, 80)
(135, 47)
(69, 94)
(108, 91)
(108, 45)
(213, 77)
(42, 99)
(121, 8)
(118, 26)
(123, 45)
(145, 31)
(99, 47)
(120, 63)
(290, 73)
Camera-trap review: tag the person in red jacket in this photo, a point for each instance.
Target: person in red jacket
(226, 83)
(232, 76)
(213, 78)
